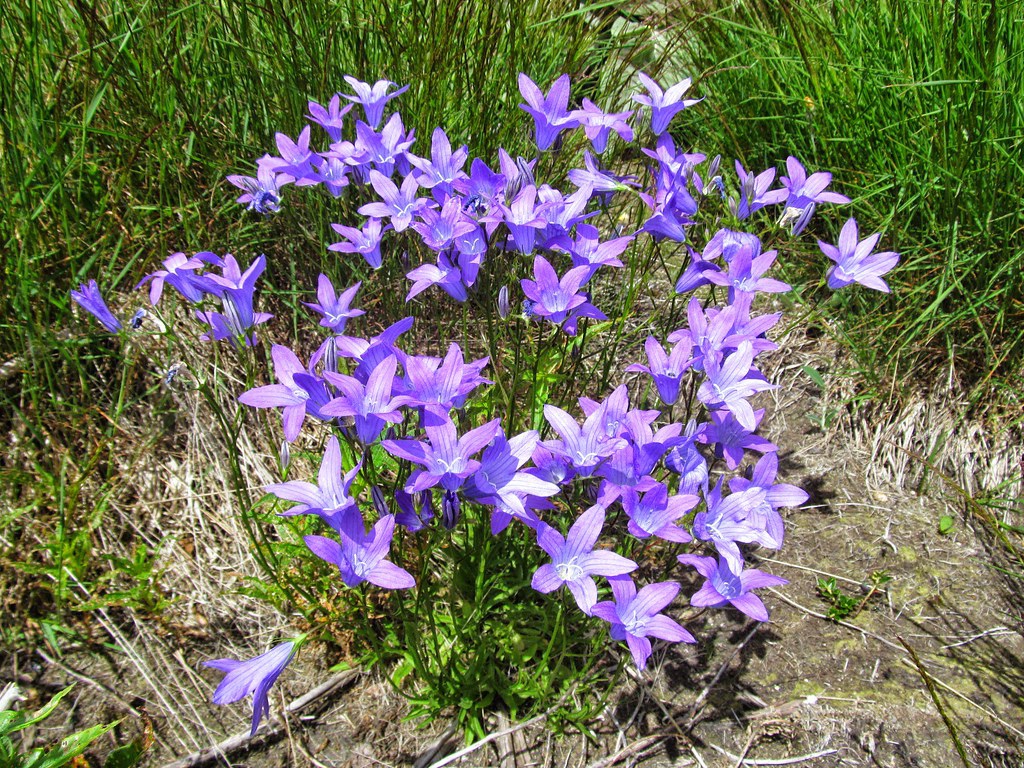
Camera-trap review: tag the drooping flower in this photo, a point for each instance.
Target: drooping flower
(574, 562)
(855, 262)
(89, 298)
(179, 273)
(253, 677)
(636, 616)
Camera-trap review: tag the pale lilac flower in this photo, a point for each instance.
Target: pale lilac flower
(89, 298)
(360, 555)
(666, 369)
(386, 150)
(263, 193)
(370, 404)
(736, 518)
(574, 562)
(253, 677)
(585, 447)
(330, 499)
(664, 104)
(756, 192)
(179, 273)
(725, 587)
(289, 395)
(499, 481)
(804, 192)
(444, 166)
(730, 383)
(636, 616)
(549, 113)
(438, 230)
(444, 274)
(855, 262)
(373, 98)
(446, 459)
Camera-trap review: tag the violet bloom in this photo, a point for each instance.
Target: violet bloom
(805, 191)
(296, 158)
(441, 385)
(263, 193)
(588, 250)
(330, 499)
(438, 230)
(636, 616)
(550, 116)
(401, 206)
(730, 383)
(371, 404)
(776, 496)
(444, 166)
(585, 447)
(446, 459)
(522, 217)
(365, 241)
(386, 150)
(499, 482)
(480, 189)
(755, 191)
(574, 562)
(336, 310)
(746, 269)
(556, 298)
(725, 587)
(731, 439)
(89, 298)
(855, 262)
(597, 124)
(332, 173)
(686, 461)
(664, 104)
(444, 274)
(236, 290)
(330, 119)
(655, 513)
(360, 555)
(253, 677)
(666, 369)
(373, 98)
(288, 395)
(729, 521)
(179, 273)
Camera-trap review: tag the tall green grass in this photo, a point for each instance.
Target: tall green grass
(917, 107)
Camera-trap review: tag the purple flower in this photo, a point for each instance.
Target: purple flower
(329, 119)
(737, 518)
(88, 297)
(655, 513)
(443, 274)
(588, 251)
(439, 229)
(254, 677)
(444, 166)
(636, 616)
(754, 191)
(373, 98)
(746, 267)
(725, 587)
(776, 495)
(365, 241)
(597, 124)
(523, 218)
(293, 394)
(385, 150)
(664, 104)
(855, 262)
(559, 300)
(574, 562)
(666, 369)
(360, 556)
(584, 447)
(336, 310)
(730, 383)
(295, 158)
(499, 482)
(446, 459)
(804, 192)
(263, 193)
(401, 206)
(329, 499)
(441, 385)
(370, 404)
(236, 291)
(550, 116)
(731, 438)
(178, 272)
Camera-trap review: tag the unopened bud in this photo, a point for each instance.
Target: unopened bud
(503, 306)
(379, 502)
(451, 508)
(285, 457)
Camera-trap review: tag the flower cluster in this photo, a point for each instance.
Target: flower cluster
(707, 486)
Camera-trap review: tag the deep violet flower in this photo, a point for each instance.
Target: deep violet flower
(636, 616)
(360, 555)
(855, 262)
(254, 677)
(574, 562)
(655, 512)
(365, 241)
(179, 273)
(89, 298)
(725, 587)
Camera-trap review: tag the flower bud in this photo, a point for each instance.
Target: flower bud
(503, 306)
(451, 508)
(379, 502)
(285, 457)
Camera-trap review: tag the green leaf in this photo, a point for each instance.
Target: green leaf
(44, 712)
(945, 525)
(814, 376)
(128, 755)
(69, 748)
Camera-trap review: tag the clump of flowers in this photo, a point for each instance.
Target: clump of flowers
(596, 485)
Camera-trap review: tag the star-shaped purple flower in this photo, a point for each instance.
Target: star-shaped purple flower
(636, 616)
